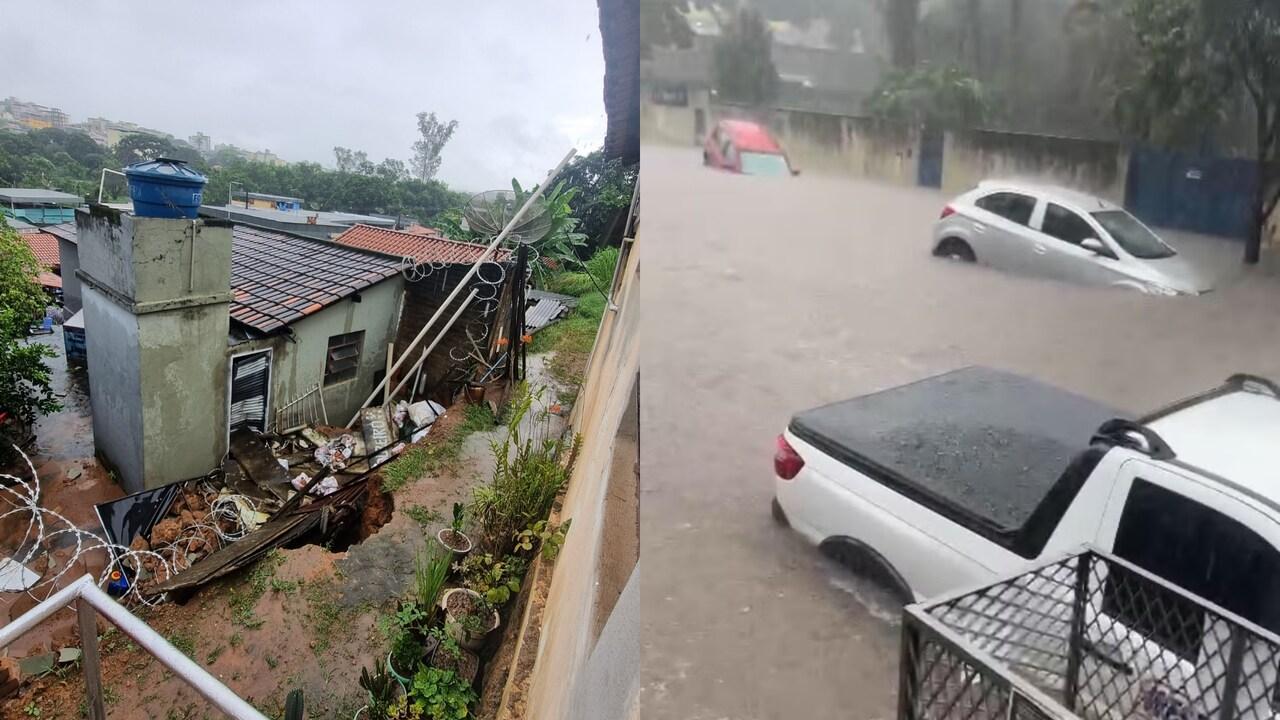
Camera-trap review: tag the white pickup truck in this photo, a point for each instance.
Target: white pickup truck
(960, 478)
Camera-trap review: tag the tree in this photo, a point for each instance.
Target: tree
(353, 161)
(742, 61)
(139, 147)
(662, 25)
(942, 97)
(603, 193)
(1193, 59)
(426, 151)
(25, 390)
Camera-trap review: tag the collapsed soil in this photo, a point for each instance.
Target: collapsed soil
(304, 619)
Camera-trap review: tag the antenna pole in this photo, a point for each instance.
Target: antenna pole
(475, 267)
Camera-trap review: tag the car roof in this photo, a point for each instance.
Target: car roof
(1232, 435)
(751, 136)
(1054, 193)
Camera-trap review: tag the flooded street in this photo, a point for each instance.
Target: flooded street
(766, 296)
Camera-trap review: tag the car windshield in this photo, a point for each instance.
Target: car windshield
(1132, 235)
(764, 164)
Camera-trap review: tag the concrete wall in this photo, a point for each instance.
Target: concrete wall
(69, 259)
(569, 661)
(1094, 166)
(298, 364)
(672, 124)
(156, 294)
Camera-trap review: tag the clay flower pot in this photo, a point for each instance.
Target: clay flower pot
(467, 639)
(457, 542)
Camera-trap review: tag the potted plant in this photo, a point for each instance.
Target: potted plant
(468, 618)
(452, 537)
(495, 580)
(383, 690)
(449, 655)
(407, 646)
(441, 694)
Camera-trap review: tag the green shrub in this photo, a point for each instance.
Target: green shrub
(441, 694)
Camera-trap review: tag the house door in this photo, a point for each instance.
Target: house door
(250, 387)
(932, 147)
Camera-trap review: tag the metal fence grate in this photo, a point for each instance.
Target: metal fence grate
(1089, 634)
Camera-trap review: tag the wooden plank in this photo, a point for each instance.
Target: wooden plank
(88, 621)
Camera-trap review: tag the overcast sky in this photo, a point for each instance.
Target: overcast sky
(523, 78)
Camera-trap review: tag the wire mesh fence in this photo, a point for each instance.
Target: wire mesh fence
(1090, 635)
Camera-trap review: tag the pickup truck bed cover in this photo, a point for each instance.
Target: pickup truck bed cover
(987, 443)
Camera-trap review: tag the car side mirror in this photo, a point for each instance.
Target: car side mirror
(1095, 246)
(795, 171)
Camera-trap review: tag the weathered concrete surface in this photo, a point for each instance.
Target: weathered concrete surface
(156, 294)
(766, 296)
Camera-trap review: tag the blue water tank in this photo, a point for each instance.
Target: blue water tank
(165, 188)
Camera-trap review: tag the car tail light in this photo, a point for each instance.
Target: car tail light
(786, 461)
(947, 211)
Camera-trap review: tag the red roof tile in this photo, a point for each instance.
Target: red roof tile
(45, 246)
(422, 248)
(49, 280)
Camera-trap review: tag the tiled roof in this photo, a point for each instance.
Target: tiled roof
(48, 279)
(277, 278)
(45, 246)
(423, 248)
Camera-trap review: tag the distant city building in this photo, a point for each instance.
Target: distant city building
(262, 156)
(33, 115)
(201, 142)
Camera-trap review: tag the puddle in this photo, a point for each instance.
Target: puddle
(878, 603)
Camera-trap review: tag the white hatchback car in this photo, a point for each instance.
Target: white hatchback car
(1064, 234)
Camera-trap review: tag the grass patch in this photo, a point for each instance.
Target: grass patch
(236, 639)
(440, 454)
(213, 655)
(243, 597)
(423, 516)
(287, 587)
(571, 338)
(325, 615)
(184, 641)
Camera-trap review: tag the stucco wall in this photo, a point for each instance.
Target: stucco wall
(1094, 166)
(115, 392)
(298, 364)
(156, 294)
(671, 124)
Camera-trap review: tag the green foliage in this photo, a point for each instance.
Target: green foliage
(595, 278)
(495, 580)
(244, 596)
(423, 516)
(603, 191)
(441, 694)
(545, 536)
(742, 60)
(942, 97)
(477, 417)
(25, 390)
(434, 135)
(459, 517)
(381, 687)
(183, 640)
(529, 473)
(140, 147)
(429, 576)
(562, 239)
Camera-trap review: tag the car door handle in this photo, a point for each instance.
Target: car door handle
(1040, 249)
(979, 228)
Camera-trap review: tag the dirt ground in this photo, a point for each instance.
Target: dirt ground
(311, 623)
(765, 296)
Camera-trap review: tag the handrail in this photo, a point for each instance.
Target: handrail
(86, 593)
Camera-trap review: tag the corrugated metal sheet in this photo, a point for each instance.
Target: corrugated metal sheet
(542, 314)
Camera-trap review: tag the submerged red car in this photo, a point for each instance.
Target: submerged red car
(745, 147)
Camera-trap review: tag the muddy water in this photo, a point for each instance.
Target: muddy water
(71, 482)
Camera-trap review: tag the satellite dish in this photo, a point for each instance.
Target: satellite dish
(489, 212)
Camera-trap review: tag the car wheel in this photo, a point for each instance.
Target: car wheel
(705, 159)
(955, 249)
(861, 560)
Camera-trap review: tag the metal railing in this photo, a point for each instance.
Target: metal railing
(305, 409)
(1088, 635)
(90, 601)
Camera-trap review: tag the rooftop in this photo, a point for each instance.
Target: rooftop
(1081, 200)
(268, 196)
(750, 137)
(278, 278)
(325, 224)
(45, 247)
(65, 231)
(422, 248)
(1232, 435)
(37, 195)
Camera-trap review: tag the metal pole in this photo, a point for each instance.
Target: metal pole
(475, 267)
(1075, 644)
(418, 365)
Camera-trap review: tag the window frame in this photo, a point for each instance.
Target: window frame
(340, 342)
(1033, 200)
(1081, 217)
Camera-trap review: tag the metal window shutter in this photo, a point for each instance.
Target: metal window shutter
(249, 376)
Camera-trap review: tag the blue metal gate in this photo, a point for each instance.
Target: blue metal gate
(929, 171)
(1191, 192)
